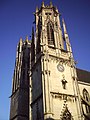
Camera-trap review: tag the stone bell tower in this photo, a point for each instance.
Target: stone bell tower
(19, 109)
(54, 89)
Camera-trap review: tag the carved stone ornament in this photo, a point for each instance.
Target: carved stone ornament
(65, 114)
(65, 97)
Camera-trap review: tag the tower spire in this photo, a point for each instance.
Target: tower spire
(51, 4)
(64, 26)
(26, 39)
(36, 9)
(43, 4)
(66, 37)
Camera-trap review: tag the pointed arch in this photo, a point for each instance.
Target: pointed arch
(66, 115)
(50, 33)
(87, 99)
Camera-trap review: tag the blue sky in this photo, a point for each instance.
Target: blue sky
(16, 20)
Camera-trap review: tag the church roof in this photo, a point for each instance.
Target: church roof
(83, 75)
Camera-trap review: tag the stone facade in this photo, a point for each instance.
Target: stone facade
(46, 83)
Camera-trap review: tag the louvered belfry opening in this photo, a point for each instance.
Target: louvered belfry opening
(50, 33)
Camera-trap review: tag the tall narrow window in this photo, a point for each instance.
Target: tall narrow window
(50, 34)
(86, 97)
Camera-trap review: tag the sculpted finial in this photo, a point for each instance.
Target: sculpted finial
(20, 41)
(43, 4)
(51, 4)
(27, 39)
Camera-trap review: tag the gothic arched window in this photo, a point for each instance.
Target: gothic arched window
(87, 99)
(50, 34)
(66, 115)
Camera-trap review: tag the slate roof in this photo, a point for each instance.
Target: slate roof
(83, 75)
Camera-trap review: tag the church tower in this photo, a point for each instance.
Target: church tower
(19, 109)
(46, 83)
(54, 92)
